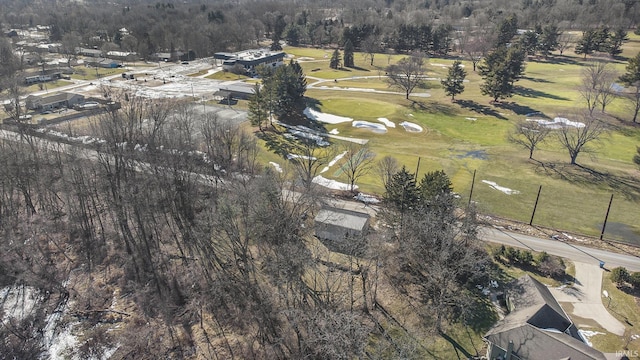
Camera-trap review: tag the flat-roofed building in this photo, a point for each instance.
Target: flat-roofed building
(250, 59)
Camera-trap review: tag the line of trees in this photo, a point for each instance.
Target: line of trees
(208, 28)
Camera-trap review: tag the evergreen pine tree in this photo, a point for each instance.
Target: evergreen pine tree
(453, 84)
(348, 53)
(336, 60)
(258, 108)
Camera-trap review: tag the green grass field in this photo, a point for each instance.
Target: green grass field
(471, 135)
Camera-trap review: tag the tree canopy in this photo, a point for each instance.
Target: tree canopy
(453, 84)
(500, 70)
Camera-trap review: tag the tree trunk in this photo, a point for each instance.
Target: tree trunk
(531, 153)
(573, 158)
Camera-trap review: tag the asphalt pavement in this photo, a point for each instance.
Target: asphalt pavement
(560, 248)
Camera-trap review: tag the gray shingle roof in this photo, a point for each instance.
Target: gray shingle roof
(538, 327)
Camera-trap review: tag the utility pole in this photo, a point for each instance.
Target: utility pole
(535, 206)
(473, 181)
(606, 217)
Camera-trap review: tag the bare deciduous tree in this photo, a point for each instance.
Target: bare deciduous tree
(407, 74)
(575, 139)
(358, 161)
(386, 168)
(529, 134)
(597, 80)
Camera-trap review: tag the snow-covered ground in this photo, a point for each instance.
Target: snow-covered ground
(333, 161)
(332, 184)
(587, 334)
(387, 122)
(411, 127)
(325, 118)
(503, 189)
(558, 123)
(276, 166)
(377, 128)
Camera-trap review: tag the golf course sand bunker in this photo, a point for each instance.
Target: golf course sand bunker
(558, 123)
(325, 118)
(411, 127)
(376, 128)
(503, 189)
(387, 122)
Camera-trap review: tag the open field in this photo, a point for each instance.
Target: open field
(471, 135)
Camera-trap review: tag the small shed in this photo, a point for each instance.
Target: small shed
(341, 229)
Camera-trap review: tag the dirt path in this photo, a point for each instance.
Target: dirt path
(586, 298)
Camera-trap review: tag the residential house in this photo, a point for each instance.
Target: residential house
(51, 102)
(536, 328)
(235, 91)
(103, 63)
(340, 229)
(89, 52)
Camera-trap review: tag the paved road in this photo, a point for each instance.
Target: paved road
(575, 253)
(586, 297)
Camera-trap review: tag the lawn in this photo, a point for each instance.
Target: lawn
(471, 135)
(226, 76)
(88, 73)
(626, 308)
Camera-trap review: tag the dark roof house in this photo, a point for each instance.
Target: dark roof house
(536, 328)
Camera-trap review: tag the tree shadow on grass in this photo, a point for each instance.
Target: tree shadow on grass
(561, 60)
(275, 142)
(433, 107)
(479, 108)
(532, 93)
(456, 346)
(358, 68)
(628, 186)
(537, 80)
(516, 108)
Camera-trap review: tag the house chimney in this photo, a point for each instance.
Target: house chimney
(509, 350)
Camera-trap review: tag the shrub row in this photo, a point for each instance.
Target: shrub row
(543, 263)
(622, 278)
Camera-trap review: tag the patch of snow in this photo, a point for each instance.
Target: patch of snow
(411, 127)
(367, 199)
(333, 161)
(586, 334)
(553, 330)
(409, 115)
(306, 133)
(325, 118)
(276, 166)
(334, 132)
(377, 128)
(387, 122)
(61, 342)
(18, 302)
(471, 118)
(332, 184)
(295, 156)
(557, 123)
(505, 190)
